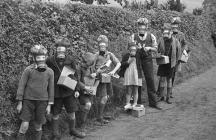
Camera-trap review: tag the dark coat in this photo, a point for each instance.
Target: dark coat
(61, 91)
(125, 64)
(176, 50)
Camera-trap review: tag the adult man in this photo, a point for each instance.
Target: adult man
(146, 42)
(181, 38)
(63, 96)
(168, 46)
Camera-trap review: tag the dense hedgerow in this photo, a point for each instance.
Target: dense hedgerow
(25, 24)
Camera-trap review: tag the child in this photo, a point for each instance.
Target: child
(35, 93)
(131, 70)
(86, 82)
(168, 46)
(102, 65)
(64, 96)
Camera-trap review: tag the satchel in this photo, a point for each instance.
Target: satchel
(184, 57)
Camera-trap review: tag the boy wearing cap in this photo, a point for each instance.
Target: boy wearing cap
(176, 21)
(168, 46)
(86, 82)
(103, 60)
(35, 93)
(64, 96)
(147, 44)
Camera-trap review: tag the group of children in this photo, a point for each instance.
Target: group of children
(39, 92)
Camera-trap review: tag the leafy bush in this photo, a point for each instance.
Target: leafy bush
(25, 24)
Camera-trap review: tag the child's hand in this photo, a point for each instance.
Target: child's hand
(48, 109)
(76, 94)
(19, 107)
(147, 49)
(99, 70)
(93, 75)
(88, 89)
(111, 73)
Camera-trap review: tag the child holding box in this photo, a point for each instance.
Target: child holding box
(103, 60)
(88, 84)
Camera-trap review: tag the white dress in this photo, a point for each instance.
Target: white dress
(131, 75)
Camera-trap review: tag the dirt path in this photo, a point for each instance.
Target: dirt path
(192, 116)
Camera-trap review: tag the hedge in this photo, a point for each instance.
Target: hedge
(25, 24)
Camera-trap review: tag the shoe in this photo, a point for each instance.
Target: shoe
(159, 99)
(156, 107)
(103, 121)
(168, 101)
(134, 106)
(171, 96)
(77, 134)
(128, 106)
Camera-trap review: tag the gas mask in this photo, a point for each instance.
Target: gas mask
(102, 49)
(61, 53)
(40, 61)
(142, 30)
(132, 50)
(167, 34)
(175, 28)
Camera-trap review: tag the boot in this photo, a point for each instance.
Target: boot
(84, 115)
(73, 131)
(55, 127)
(139, 101)
(169, 91)
(38, 135)
(20, 136)
(100, 116)
(161, 94)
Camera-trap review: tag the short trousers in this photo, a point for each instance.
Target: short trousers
(104, 89)
(83, 99)
(70, 103)
(34, 110)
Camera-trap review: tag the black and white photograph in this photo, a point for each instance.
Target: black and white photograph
(108, 69)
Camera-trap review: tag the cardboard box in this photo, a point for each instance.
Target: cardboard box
(67, 82)
(138, 113)
(162, 60)
(185, 57)
(89, 81)
(105, 78)
(67, 71)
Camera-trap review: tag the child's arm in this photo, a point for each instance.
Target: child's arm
(21, 89)
(51, 88)
(118, 64)
(22, 84)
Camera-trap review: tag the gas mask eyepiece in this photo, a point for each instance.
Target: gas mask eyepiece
(40, 61)
(61, 53)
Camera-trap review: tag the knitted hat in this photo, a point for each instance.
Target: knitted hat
(167, 26)
(89, 57)
(103, 39)
(142, 21)
(38, 50)
(176, 20)
(62, 42)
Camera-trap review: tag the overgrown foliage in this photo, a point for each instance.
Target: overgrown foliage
(25, 24)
